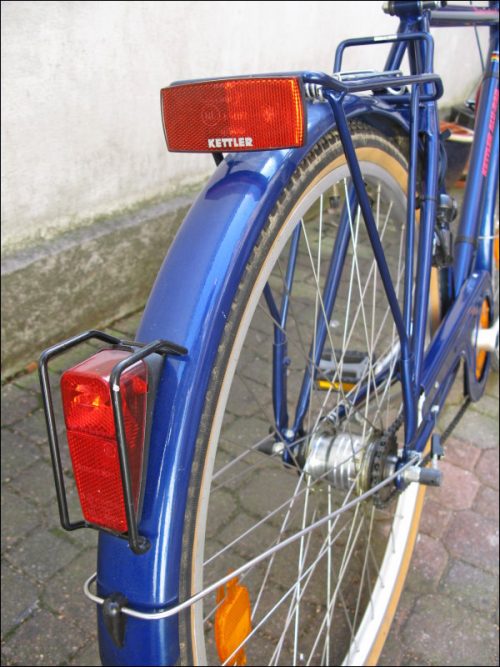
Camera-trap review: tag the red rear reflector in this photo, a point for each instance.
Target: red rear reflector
(229, 115)
(88, 413)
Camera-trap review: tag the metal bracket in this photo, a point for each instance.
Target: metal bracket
(180, 606)
(114, 620)
(138, 543)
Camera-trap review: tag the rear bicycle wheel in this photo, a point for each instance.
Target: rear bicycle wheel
(329, 597)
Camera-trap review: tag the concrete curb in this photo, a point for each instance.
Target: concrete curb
(125, 252)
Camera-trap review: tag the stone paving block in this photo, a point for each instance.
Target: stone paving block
(474, 539)
(255, 541)
(471, 586)
(456, 394)
(435, 518)
(242, 434)
(73, 356)
(128, 325)
(447, 633)
(17, 454)
(488, 405)
(256, 342)
(29, 381)
(33, 428)
(36, 484)
(268, 489)
(42, 554)
(409, 660)
(237, 473)
(458, 489)
(493, 385)
(272, 630)
(392, 653)
(258, 370)
(64, 614)
(18, 518)
(486, 503)
(43, 639)
(221, 507)
(218, 568)
(245, 397)
(88, 656)
(479, 430)
(19, 606)
(82, 538)
(428, 563)
(487, 468)
(17, 404)
(63, 594)
(261, 321)
(461, 454)
(285, 563)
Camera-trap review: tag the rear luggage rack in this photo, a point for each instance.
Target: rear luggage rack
(392, 81)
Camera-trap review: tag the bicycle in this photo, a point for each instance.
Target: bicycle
(320, 325)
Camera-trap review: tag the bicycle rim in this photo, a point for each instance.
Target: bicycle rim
(330, 597)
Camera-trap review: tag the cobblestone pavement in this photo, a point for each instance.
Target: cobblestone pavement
(448, 613)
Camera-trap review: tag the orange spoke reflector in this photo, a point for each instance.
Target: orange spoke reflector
(232, 622)
(227, 115)
(484, 323)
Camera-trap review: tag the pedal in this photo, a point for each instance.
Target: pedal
(354, 366)
(487, 339)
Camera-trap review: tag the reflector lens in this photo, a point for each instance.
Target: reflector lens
(484, 323)
(88, 413)
(229, 115)
(232, 622)
(496, 248)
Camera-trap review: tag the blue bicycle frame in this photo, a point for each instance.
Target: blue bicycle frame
(207, 259)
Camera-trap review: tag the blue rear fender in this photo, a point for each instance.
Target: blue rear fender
(189, 305)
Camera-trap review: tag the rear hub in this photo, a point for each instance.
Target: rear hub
(344, 460)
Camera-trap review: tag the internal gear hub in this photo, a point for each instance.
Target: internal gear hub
(344, 458)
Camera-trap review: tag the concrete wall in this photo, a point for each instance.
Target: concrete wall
(81, 123)
(83, 153)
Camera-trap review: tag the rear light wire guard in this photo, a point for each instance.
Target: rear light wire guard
(137, 543)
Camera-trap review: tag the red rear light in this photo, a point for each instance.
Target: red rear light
(227, 115)
(88, 413)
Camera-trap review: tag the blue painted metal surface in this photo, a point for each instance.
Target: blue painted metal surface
(479, 188)
(280, 346)
(484, 257)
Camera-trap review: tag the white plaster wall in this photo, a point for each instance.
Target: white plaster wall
(81, 127)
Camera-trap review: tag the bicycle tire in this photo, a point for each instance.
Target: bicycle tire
(326, 161)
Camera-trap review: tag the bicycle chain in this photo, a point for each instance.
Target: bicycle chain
(388, 441)
(383, 449)
(454, 422)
